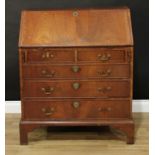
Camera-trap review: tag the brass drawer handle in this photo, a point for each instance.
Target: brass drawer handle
(76, 85)
(104, 90)
(47, 90)
(104, 109)
(75, 69)
(76, 104)
(105, 73)
(47, 55)
(48, 74)
(104, 57)
(48, 111)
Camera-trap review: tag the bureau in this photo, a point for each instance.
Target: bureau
(76, 69)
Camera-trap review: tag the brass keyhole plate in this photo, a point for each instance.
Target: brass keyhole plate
(75, 13)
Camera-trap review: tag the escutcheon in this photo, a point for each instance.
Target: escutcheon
(76, 85)
(75, 69)
(76, 104)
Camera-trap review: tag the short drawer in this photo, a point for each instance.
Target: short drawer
(76, 88)
(48, 55)
(76, 71)
(76, 109)
(102, 55)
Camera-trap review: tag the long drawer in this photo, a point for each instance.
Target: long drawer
(76, 71)
(76, 109)
(76, 88)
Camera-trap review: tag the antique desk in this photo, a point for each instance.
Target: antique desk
(76, 69)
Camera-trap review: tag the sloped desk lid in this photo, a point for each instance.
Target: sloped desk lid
(86, 27)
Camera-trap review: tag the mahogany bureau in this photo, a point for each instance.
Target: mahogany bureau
(76, 69)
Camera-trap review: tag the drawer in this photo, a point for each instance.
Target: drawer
(45, 55)
(102, 55)
(76, 71)
(76, 109)
(71, 89)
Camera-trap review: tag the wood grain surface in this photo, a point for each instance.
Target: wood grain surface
(85, 110)
(90, 27)
(70, 38)
(90, 71)
(65, 88)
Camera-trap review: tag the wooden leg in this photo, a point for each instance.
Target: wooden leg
(130, 140)
(128, 129)
(25, 128)
(23, 134)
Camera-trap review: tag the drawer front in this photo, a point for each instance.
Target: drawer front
(102, 55)
(76, 71)
(69, 88)
(49, 55)
(76, 109)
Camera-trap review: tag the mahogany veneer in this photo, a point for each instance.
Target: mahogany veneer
(77, 71)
